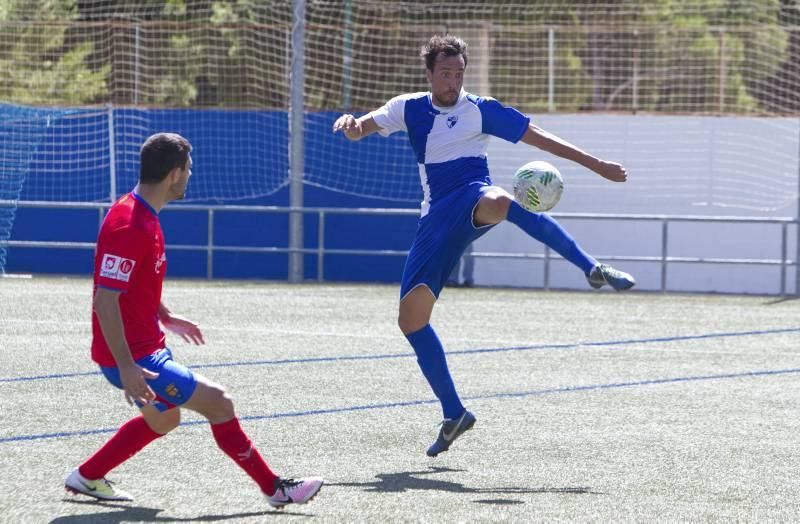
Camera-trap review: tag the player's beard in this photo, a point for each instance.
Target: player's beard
(449, 99)
(178, 191)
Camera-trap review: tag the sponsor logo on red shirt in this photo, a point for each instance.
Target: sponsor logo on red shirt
(117, 268)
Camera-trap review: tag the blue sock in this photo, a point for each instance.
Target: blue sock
(431, 359)
(547, 231)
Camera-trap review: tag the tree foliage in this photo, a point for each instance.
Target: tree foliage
(39, 64)
(630, 55)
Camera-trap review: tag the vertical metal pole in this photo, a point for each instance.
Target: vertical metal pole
(321, 248)
(210, 248)
(347, 56)
(784, 254)
(635, 95)
(664, 240)
(136, 66)
(722, 71)
(296, 157)
(551, 69)
(546, 268)
(797, 224)
(112, 155)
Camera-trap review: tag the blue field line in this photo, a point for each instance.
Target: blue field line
(344, 358)
(408, 403)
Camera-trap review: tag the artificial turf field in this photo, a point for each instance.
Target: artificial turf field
(591, 406)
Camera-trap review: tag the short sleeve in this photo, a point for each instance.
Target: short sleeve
(120, 254)
(502, 121)
(391, 116)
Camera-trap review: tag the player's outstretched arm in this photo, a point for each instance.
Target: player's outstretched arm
(355, 128)
(538, 137)
(188, 330)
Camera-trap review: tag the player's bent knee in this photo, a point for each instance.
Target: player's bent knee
(501, 205)
(415, 309)
(163, 422)
(409, 323)
(227, 401)
(492, 209)
(223, 405)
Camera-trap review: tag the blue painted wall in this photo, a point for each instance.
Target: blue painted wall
(207, 131)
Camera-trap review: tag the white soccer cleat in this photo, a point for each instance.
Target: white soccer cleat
(292, 491)
(102, 489)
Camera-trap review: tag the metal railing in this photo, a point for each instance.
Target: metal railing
(784, 262)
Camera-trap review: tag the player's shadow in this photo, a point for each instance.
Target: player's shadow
(780, 300)
(126, 513)
(422, 480)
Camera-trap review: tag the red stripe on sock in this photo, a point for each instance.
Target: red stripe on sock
(129, 439)
(237, 445)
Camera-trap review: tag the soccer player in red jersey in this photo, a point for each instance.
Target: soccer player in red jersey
(130, 348)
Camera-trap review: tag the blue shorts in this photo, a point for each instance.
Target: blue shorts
(174, 385)
(442, 236)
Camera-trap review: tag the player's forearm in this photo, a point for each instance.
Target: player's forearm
(164, 312)
(110, 319)
(549, 142)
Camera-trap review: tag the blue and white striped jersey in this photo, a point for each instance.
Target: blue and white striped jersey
(450, 142)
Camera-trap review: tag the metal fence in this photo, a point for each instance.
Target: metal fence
(210, 247)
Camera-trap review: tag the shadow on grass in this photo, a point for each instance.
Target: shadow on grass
(421, 480)
(780, 300)
(128, 513)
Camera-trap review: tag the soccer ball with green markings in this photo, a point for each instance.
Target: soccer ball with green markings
(538, 186)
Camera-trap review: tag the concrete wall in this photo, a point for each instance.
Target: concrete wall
(707, 166)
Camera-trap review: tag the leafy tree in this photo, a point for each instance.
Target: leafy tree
(40, 66)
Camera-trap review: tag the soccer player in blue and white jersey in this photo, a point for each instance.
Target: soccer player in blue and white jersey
(449, 130)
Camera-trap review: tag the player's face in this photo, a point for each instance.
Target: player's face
(178, 190)
(446, 79)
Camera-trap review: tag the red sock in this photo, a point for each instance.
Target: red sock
(235, 443)
(129, 439)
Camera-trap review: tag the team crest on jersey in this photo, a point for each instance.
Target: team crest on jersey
(452, 120)
(116, 268)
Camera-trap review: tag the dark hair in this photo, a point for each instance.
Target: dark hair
(160, 154)
(448, 44)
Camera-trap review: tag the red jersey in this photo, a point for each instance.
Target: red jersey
(130, 258)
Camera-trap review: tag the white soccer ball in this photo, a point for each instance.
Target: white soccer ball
(538, 186)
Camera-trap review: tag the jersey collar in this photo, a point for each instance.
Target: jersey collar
(143, 201)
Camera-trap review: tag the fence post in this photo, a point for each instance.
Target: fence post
(635, 66)
(112, 156)
(136, 64)
(210, 252)
(546, 268)
(784, 254)
(551, 69)
(797, 225)
(664, 239)
(722, 70)
(296, 151)
(321, 248)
